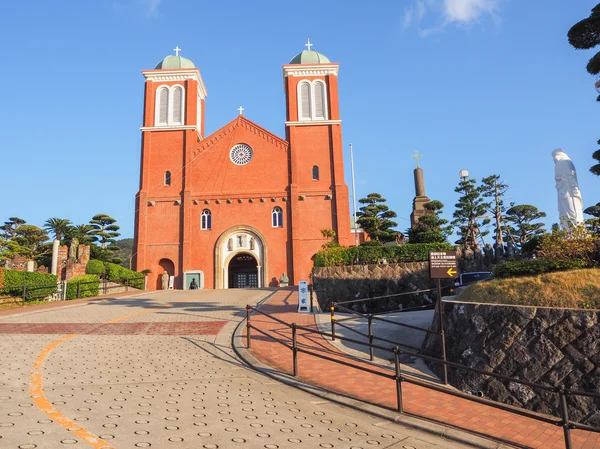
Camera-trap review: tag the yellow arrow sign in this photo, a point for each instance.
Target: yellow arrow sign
(451, 271)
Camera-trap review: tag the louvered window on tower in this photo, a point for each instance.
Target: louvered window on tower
(305, 101)
(163, 106)
(319, 90)
(177, 97)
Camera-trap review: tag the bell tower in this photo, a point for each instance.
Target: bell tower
(173, 121)
(318, 193)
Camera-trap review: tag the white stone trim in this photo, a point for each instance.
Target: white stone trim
(312, 100)
(170, 105)
(310, 70)
(171, 128)
(314, 123)
(176, 75)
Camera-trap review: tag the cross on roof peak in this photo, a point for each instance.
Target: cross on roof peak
(308, 45)
(417, 156)
(241, 109)
(177, 50)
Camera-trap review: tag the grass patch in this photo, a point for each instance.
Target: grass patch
(577, 289)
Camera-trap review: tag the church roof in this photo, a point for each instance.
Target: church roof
(310, 57)
(175, 62)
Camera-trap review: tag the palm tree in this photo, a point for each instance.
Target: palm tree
(84, 233)
(58, 226)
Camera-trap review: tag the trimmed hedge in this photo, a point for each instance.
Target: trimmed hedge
(95, 267)
(39, 285)
(532, 267)
(117, 273)
(88, 286)
(364, 255)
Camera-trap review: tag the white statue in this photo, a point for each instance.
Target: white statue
(570, 204)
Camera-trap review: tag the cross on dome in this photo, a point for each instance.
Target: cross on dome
(241, 109)
(177, 50)
(417, 156)
(308, 45)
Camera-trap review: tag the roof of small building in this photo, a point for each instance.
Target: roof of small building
(175, 62)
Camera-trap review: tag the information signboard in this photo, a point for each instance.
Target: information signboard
(442, 265)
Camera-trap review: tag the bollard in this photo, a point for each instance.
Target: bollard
(248, 327)
(397, 353)
(332, 308)
(294, 350)
(79, 290)
(24, 294)
(371, 354)
(564, 414)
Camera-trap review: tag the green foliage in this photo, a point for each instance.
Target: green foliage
(521, 225)
(117, 273)
(39, 285)
(469, 208)
(532, 267)
(89, 286)
(362, 255)
(95, 267)
(105, 229)
(8, 249)
(494, 189)
(430, 228)
(33, 241)
(585, 34)
(595, 169)
(10, 227)
(575, 243)
(593, 224)
(375, 218)
(84, 233)
(330, 235)
(58, 226)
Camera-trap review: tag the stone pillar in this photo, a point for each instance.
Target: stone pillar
(54, 269)
(419, 182)
(420, 197)
(30, 265)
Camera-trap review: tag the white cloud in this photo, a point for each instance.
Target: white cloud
(432, 16)
(152, 6)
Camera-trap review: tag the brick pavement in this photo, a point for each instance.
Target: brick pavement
(419, 401)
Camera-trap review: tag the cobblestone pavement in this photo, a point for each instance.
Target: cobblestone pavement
(157, 370)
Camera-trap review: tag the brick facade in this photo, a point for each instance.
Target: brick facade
(241, 198)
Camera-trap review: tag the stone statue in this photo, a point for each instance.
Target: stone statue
(488, 252)
(570, 204)
(165, 280)
(252, 243)
(73, 249)
(283, 280)
(230, 245)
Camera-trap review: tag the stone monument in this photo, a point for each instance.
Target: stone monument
(570, 204)
(420, 197)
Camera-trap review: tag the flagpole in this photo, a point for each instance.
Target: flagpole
(353, 196)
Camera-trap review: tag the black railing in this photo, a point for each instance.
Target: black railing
(401, 377)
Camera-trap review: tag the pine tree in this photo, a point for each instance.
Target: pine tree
(521, 228)
(593, 224)
(9, 229)
(494, 189)
(595, 169)
(32, 241)
(430, 228)
(375, 219)
(106, 229)
(467, 215)
(585, 34)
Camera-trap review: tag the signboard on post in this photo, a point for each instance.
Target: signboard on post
(442, 265)
(303, 306)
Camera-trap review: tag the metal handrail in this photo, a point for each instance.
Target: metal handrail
(353, 301)
(400, 377)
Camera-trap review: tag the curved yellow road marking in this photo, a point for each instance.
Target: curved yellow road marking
(36, 385)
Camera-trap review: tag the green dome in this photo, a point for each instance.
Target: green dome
(309, 57)
(175, 62)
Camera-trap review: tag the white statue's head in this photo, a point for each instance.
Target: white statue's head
(559, 155)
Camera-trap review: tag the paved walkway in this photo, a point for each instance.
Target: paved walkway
(371, 388)
(120, 373)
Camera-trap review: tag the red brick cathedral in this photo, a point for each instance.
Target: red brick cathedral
(241, 205)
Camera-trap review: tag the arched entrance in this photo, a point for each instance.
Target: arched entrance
(164, 265)
(243, 250)
(243, 271)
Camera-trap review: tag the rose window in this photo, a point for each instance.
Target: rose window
(240, 154)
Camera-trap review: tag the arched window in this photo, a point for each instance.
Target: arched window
(162, 106)
(170, 106)
(304, 97)
(277, 217)
(319, 92)
(167, 178)
(206, 220)
(315, 173)
(177, 106)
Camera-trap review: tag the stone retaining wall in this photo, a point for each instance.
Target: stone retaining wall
(346, 283)
(540, 345)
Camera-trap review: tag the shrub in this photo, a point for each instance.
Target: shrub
(39, 285)
(576, 243)
(117, 273)
(362, 255)
(1, 278)
(534, 267)
(88, 286)
(95, 267)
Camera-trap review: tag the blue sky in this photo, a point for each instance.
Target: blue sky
(491, 86)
